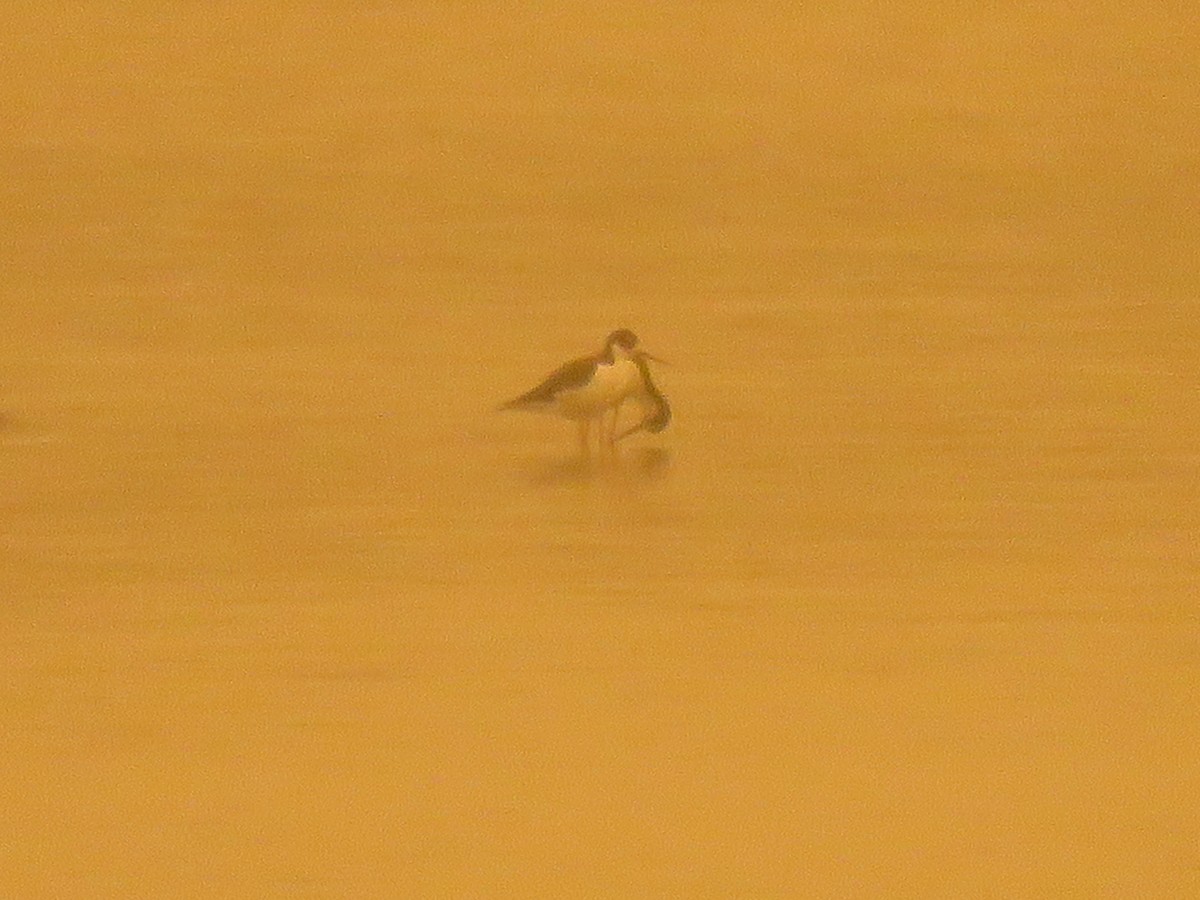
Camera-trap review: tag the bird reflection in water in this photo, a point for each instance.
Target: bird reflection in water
(640, 464)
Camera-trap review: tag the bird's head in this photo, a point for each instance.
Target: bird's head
(622, 341)
(623, 344)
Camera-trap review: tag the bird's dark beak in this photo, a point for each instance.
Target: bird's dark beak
(645, 355)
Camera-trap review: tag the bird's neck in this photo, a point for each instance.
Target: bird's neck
(614, 353)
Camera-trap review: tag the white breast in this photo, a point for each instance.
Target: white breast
(609, 386)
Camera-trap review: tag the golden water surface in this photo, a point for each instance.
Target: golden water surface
(903, 604)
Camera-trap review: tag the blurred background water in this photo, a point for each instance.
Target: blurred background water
(903, 602)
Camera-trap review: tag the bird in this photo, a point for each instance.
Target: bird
(589, 389)
(655, 408)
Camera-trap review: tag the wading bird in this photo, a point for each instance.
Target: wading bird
(656, 411)
(592, 389)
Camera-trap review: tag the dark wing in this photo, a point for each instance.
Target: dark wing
(574, 374)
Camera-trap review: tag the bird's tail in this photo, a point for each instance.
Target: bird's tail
(516, 403)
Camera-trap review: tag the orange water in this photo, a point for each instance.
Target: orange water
(903, 603)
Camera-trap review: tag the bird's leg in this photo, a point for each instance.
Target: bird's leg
(612, 428)
(585, 426)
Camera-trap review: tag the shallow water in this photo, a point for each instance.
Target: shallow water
(902, 603)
